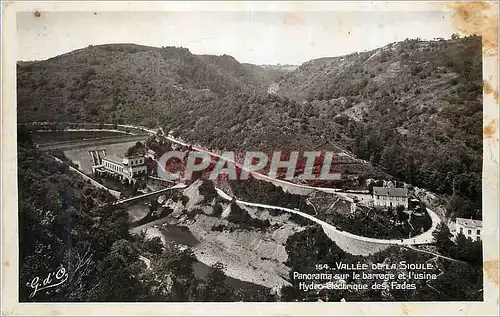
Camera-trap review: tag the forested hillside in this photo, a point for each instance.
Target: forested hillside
(128, 83)
(412, 108)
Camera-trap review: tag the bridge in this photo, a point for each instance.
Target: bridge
(146, 195)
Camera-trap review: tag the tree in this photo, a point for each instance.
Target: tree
(180, 262)
(370, 187)
(442, 237)
(468, 250)
(217, 210)
(310, 96)
(184, 199)
(138, 148)
(117, 280)
(24, 135)
(155, 245)
(125, 249)
(60, 226)
(219, 291)
(89, 202)
(387, 159)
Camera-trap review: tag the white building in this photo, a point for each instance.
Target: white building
(126, 168)
(390, 197)
(470, 228)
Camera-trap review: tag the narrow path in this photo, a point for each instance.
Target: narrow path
(115, 193)
(146, 261)
(435, 254)
(332, 205)
(310, 203)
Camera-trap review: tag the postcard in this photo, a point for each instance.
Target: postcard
(249, 158)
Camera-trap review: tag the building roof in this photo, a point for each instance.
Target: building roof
(390, 191)
(114, 159)
(469, 223)
(134, 156)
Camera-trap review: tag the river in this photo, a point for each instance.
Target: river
(180, 235)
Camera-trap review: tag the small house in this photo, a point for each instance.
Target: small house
(470, 228)
(390, 197)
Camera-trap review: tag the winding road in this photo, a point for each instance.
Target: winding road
(424, 238)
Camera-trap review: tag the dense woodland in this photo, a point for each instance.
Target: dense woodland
(392, 223)
(460, 281)
(254, 190)
(413, 108)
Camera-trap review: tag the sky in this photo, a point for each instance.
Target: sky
(258, 37)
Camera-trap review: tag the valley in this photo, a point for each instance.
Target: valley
(404, 116)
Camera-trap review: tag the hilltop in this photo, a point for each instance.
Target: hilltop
(128, 82)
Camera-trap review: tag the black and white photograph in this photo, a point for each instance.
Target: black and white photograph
(239, 152)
